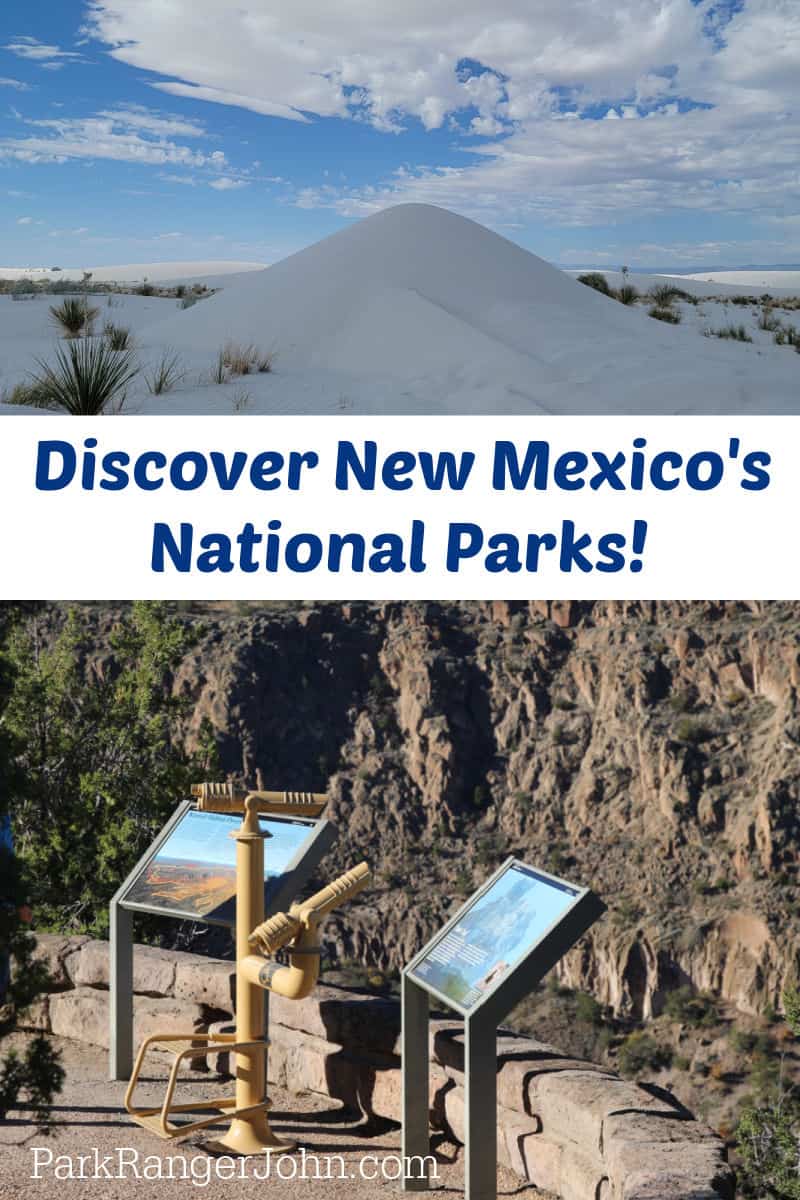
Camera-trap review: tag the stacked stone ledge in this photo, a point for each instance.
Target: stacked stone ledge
(570, 1127)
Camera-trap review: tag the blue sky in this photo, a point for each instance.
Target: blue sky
(651, 132)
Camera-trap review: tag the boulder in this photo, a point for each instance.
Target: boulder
(58, 953)
(207, 981)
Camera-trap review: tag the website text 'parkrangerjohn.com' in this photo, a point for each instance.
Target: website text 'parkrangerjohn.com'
(200, 1170)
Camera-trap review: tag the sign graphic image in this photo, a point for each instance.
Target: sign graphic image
(493, 934)
(193, 873)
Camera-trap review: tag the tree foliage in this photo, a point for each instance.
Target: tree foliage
(768, 1133)
(35, 1076)
(99, 767)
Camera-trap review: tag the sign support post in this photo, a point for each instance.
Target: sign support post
(449, 960)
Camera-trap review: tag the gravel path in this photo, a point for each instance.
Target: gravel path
(91, 1121)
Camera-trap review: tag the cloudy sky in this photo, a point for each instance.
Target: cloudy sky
(650, 132)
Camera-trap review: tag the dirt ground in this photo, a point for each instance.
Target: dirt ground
(90, 1120)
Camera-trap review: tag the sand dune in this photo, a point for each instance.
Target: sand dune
(417, 310)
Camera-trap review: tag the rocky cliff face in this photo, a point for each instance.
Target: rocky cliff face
(650, 750)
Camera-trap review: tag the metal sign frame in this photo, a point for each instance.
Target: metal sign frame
(279, 892)
(480, 1034)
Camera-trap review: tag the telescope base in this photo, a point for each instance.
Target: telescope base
(250, 1135)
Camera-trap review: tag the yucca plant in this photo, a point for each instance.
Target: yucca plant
(73, 315)
(87, 378)
(117, 336)
(167, 372)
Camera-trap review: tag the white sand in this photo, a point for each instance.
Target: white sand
(783, 280)
(416, 310)
(160, 272)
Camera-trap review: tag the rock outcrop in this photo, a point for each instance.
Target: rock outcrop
(647, 749)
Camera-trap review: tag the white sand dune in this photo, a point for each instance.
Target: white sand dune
(784, 280)
(417, 310)
(160, 272)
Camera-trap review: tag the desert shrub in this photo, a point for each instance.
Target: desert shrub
(640, 1053)
(683, 701)
(87, 379)
(768, 321)
(769, 1127)
(117, 336)
(99, 768)
(166, 374)
(29, 394)
(683, 1005)
(734, 333)
(741, 301)
(244, 360)
(180, 291)
(587, 1009)
(627, 294)
(594, 279)
(188, 301)
(74, 316)
(665, 314)
(692, 731)
(146, 289)
(786, 335)
(664, 293)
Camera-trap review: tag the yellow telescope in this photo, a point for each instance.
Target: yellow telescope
(227, 798)
(256, 941)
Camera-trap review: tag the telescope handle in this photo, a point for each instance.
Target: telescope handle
(228, 798)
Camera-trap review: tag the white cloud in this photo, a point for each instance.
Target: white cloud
(266, 108)
(226, 184)
(518, 83)
(16, 84)
(24, 220)
(51, 57)
(402, 60)
(135, 135)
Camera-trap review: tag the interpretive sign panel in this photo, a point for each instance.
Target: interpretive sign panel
(191, 873)
(485, 960)
(491, 935)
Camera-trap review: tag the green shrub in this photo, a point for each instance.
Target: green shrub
(664, 293)
(640, 1053)
(692, 731)
(683, 1005)
(669, 315)
(766, 1140)
(587, 1009)
(734, 333)
(627, 294)
(86, 380)
(594, 279)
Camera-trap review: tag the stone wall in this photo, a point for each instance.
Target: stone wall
(570, 1127)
